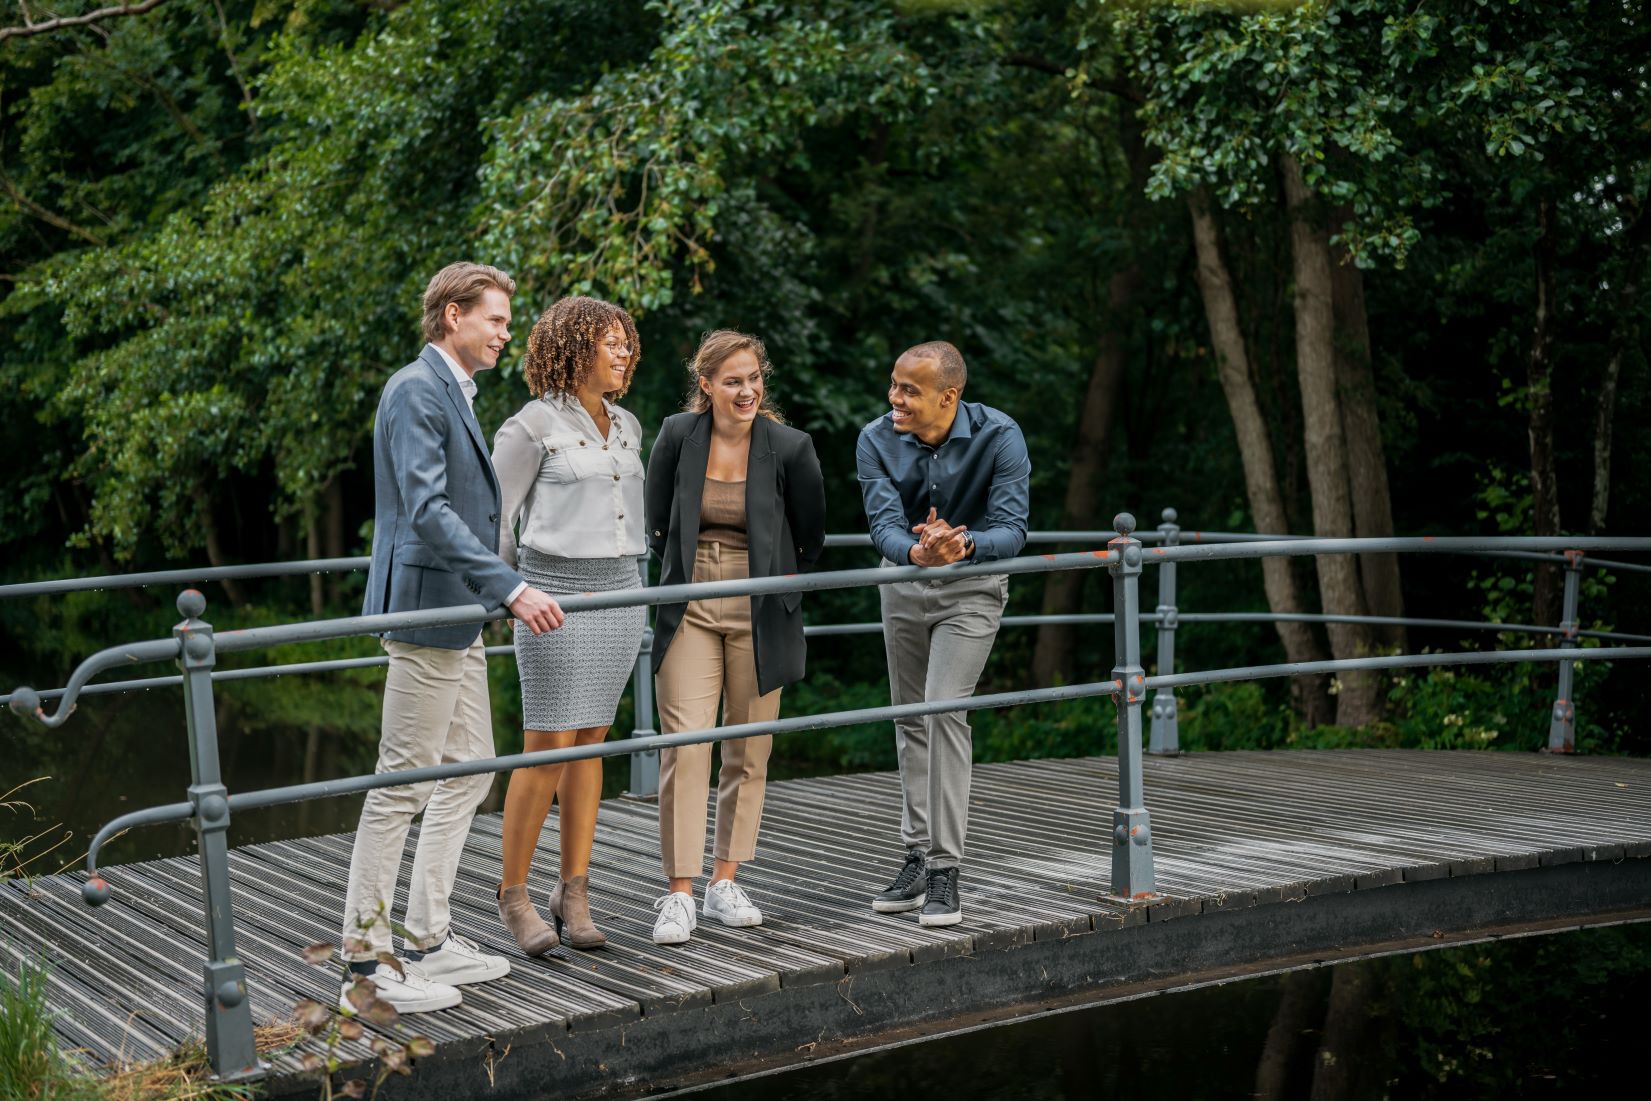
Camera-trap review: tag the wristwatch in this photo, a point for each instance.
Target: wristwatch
(968, 544)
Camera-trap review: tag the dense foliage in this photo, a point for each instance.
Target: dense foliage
(217, 217)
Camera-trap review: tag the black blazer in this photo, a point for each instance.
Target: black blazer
(785, 526)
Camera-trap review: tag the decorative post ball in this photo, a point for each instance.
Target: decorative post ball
(1170, 516)
(213, 809)
(1123, 523)
(198, 647)
(95, 891)
(231, 994)
(191, 603)
(1132, 555)
(25, 702)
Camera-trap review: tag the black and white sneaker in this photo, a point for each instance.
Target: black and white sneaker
(906, 892)
(943, 906)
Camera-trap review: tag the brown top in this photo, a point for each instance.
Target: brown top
(722, 513)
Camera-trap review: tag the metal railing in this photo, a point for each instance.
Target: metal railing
(194, 645)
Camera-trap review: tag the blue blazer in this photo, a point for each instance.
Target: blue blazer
(435, 506)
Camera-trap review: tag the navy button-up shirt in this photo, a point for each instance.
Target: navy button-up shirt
(978, 477)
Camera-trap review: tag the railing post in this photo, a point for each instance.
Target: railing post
(645, 765)
(1132, 876)
(1562, 724)
(1166, 729)
(230, 1047)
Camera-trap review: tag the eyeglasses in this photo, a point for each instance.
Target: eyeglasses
(617, 348)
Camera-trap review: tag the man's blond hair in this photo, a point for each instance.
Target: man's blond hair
(463, 285)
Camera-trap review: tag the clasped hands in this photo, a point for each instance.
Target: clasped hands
(938, 543)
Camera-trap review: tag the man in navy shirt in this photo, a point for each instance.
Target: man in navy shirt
(944, 481)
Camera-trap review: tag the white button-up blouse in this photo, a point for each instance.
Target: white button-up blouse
(567, 490)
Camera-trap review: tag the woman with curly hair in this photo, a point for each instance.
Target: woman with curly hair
(570, 475)
(732, 493)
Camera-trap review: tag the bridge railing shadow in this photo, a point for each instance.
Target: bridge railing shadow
(194, 645)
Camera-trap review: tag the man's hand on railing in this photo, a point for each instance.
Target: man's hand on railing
(538, 611)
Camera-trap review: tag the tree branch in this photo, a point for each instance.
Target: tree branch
(1122, 89)
(47, 216)
(59, 23)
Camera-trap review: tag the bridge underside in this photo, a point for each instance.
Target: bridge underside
(1265, 861)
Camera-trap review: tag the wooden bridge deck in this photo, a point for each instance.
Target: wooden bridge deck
(1263, 859)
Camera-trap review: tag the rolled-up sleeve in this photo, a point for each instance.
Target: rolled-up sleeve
(1003, 533)
(890, 533)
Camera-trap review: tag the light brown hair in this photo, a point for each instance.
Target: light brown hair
(463, 285)
(561, 349)
(715, 349)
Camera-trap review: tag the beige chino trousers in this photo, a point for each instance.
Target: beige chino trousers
(435, 712)
(711, 658)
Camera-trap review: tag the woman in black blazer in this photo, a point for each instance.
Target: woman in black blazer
(731, 492)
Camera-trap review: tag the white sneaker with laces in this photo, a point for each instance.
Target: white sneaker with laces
(725, 901)
(458, 961)
(410, 990)
(676, 921)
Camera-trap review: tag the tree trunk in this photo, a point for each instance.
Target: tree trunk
(1342, 1071)
(1545, 600)
(1255, 451)
(1366, 459)
(334, 494)
(1326, 448)
(1625, 341)
(1298, 1011)
(312, 550)
(215, 553)
(1055, 656)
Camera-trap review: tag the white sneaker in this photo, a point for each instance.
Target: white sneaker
(459, 961)
(725, 901)
(676, 921)
(410, 991)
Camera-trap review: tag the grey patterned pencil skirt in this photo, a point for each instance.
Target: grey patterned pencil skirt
(572, 677)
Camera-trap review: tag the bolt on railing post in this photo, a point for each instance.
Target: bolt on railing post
(1166, 729)
(1132, 876)
(1562, 723)
(644, 766)
(230, 1047)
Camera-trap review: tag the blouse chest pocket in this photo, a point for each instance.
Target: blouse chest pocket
(578, 458)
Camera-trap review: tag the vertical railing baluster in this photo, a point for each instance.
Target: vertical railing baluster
(230, 1047)
(1166, 729)
(645, 765)
(1562, 723)
(1132, 876)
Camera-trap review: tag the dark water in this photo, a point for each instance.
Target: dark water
(1563, 1015)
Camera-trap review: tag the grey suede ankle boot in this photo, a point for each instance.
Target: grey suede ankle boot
(533, 936)
(570, 905)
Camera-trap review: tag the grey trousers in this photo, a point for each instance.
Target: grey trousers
(938, 635)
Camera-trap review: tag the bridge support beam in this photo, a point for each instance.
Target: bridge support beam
(1132, 877)
(1562, 723)
(230, 1047)
(1166, 730)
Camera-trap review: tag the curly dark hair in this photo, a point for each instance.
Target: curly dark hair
(561, 349)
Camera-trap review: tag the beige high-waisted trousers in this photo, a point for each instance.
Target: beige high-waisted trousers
(711, 658)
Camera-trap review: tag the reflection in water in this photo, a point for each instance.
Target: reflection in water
(1552, 1016)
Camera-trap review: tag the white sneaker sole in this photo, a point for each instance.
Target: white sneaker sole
(673, 936)
(899, 907)
(419, 1005)
(940, 919)
(734, 921)
(467, 975)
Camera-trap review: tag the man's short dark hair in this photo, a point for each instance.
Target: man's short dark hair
(953, 372)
